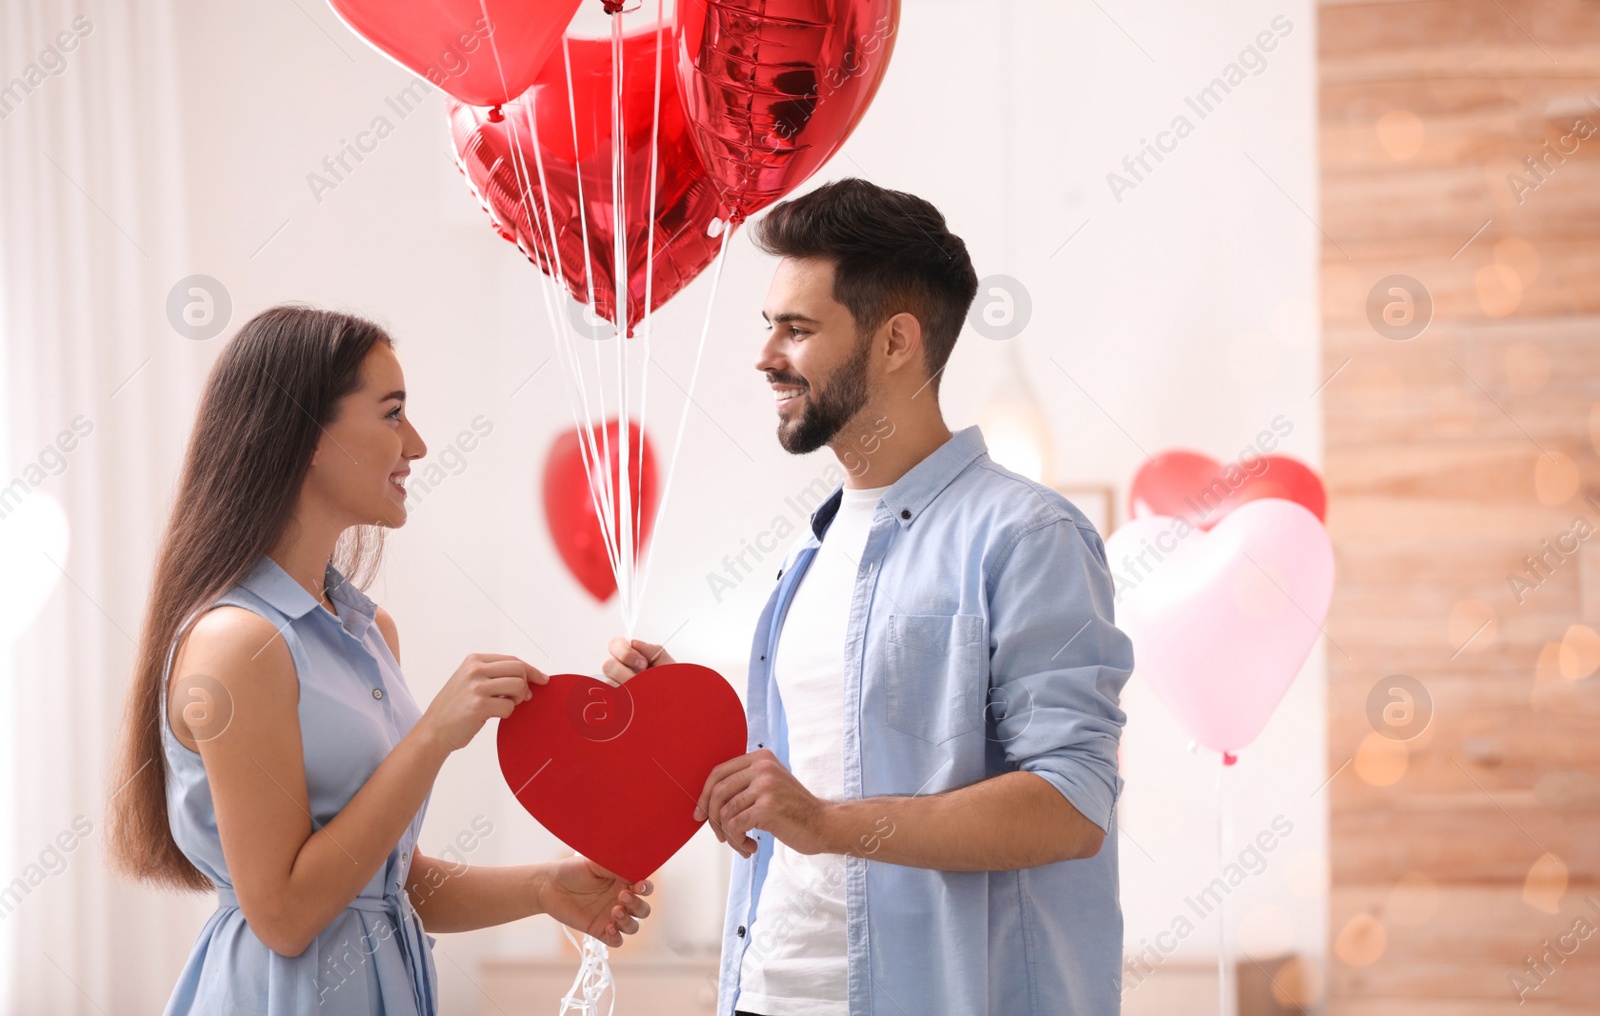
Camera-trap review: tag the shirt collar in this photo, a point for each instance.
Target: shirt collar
(269, 581)
(923, 482)
(927, 479)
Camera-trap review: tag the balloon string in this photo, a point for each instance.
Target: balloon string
(573, 387)
(1223, 979)
(600, 493)
(519, 167)
(632, 620)
(544, 242)
(553, 249)
(496, 113)
(566, 353)
(583, 206)
(688, 400)
(623, 521)
(623, 537)
(593, 981)
(605, 509)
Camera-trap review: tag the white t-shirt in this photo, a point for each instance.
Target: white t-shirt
(795, 964)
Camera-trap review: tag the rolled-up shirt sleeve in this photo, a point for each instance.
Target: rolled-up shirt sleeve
(1058, 663)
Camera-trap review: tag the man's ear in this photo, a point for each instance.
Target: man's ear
(903, 340)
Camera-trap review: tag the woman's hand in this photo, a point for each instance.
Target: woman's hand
(583, 896)
(485, 685)
(630, 659)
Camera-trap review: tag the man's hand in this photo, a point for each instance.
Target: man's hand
(630, 659)
(755, 791)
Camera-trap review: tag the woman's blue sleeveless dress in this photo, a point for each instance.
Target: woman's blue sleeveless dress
(375, 957)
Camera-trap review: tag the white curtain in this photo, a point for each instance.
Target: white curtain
(92, 239)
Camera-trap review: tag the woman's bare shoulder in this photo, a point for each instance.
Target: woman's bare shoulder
(229, 628)
(230, 657)
(230, 642)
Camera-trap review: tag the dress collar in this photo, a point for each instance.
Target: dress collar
(269, 581)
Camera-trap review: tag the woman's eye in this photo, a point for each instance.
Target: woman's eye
(394, 414)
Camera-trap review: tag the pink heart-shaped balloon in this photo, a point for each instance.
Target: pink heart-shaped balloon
(614, 772)
(1221, 621)
(1197, 487)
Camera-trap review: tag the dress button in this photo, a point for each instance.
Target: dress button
(741, 931)
(377, 693)
(905, 513)
(405, 858)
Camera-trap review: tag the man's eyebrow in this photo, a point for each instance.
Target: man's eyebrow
(789, 316)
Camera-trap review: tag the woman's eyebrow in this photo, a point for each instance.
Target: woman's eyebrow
(398, 393)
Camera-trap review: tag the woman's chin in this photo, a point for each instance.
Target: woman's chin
(393, 514)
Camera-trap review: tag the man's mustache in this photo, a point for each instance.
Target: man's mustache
(793, 380)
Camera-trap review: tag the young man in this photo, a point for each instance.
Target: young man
(924, 822)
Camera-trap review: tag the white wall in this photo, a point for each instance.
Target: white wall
(1184, 314)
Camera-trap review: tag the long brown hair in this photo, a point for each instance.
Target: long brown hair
(270, 393)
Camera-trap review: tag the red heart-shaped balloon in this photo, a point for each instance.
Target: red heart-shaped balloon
(1188, 485)
(502, 164)
(614, 772)
(481, 51)
(773, 88)
(570, 509)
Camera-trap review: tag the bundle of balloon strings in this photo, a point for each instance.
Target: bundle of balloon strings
(593, 981)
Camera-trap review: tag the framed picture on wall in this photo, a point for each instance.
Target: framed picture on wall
(1098, 503)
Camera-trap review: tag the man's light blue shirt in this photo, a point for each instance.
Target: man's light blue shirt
(981, 641)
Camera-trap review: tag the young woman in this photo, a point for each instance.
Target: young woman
(271, 750)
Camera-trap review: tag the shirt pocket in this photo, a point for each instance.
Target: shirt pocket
(935, 674)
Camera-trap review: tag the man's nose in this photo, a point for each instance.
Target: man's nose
(769, 360)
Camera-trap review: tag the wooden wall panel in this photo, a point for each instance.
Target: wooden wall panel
(1456, 856)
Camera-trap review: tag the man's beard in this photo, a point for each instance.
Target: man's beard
(828, 408)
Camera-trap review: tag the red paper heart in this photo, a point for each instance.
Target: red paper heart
(1188, 485)
(615, 773)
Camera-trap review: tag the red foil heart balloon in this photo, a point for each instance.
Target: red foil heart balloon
(774, 87)
(570, 511)
(614, 773)
(481, 51)
(1188, 485)
(498, 158)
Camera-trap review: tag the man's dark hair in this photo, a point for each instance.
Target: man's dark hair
(891, 253)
